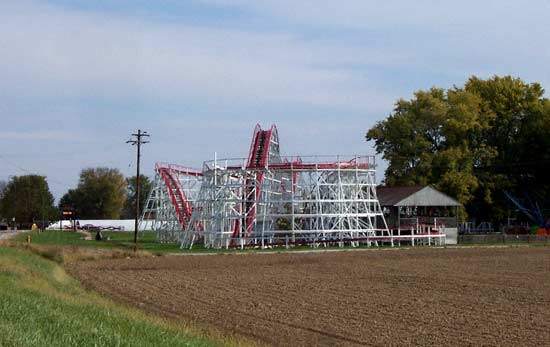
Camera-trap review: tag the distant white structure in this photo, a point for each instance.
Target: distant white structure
(122, 224)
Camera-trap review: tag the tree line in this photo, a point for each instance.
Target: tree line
(474, 142)
(101, 193)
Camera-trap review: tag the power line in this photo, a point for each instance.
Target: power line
(22, 169)
(15, 165)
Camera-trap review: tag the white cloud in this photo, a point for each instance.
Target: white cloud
(64, 53)
(36, 135)
(444, 16)
(452, 38)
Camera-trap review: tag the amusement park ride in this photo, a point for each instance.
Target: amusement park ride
(268, 200)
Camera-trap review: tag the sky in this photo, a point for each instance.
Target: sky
(78, 77)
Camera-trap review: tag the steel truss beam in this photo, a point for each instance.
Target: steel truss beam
(169, 205)
(289, 204)
(267, 200)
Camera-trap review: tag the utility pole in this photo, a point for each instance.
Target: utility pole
(14, 201)
(137, 141)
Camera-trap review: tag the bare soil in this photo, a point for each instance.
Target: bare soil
(416, 297)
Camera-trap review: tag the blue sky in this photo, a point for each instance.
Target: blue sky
(77, 77)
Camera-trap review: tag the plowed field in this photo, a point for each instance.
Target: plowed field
(417, 297)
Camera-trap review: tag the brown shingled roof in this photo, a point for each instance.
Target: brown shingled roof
(389, 196)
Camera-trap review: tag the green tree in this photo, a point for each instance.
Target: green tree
(129, 210)
(100, 194)
(472, 142)
(28, 199)
(3, 185)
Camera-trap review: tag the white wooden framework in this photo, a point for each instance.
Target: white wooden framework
(324, 201)
(266, 200)
(169, 204)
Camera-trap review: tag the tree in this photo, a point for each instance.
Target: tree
(518, 135)
(3, 185)
(100, 194)
(473, 142)
(28, 199)
(129, 210)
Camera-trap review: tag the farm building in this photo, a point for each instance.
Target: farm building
(419, 210)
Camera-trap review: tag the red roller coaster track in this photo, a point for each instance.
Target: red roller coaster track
(169, 174)
(257, 158)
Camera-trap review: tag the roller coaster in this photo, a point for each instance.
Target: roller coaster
(268, 200)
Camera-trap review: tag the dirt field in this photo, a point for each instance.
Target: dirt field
(418, 297)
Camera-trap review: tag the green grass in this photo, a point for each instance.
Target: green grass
(121, 240)
(147, 242)
(40, 305)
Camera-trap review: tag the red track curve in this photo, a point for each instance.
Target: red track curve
(182, 205)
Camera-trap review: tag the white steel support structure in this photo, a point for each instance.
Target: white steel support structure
(326, 201)
(267, 200)
(169, 204)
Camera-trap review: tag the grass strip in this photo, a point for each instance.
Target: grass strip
(40, 305)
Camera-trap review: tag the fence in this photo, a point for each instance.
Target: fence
(449, 222)
(471, 227)
(499, 238)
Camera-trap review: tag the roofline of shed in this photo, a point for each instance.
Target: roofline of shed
(456, 202)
